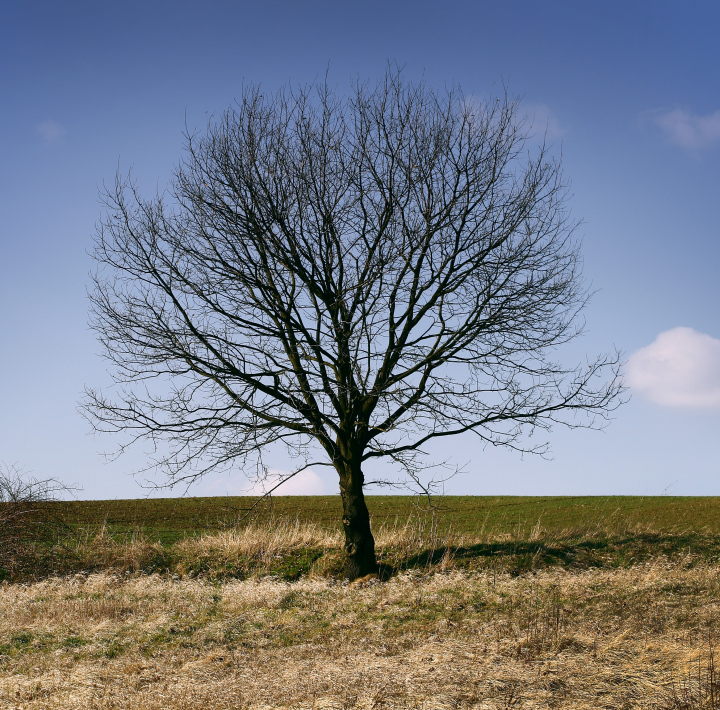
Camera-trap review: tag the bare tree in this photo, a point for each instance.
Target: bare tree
(364, 272)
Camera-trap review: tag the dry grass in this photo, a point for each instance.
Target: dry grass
(590, 618)
(290, 549)
(253, 546)
(261, 542)
(602, 638)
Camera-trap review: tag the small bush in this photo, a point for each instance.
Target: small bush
(28, 531)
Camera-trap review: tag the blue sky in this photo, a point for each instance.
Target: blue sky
(629, 91)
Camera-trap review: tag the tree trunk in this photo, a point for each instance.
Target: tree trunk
(359, 541)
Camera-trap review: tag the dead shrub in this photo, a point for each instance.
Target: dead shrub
(28, 530)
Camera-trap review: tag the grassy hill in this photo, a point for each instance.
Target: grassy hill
(167, 520)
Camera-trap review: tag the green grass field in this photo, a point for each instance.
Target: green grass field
(218, 538)
(167, 520)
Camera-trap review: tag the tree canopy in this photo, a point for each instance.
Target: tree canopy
(355, 273)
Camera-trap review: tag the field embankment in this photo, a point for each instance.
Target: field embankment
(167, 520)
(603, 638)
(291, 537)
(487, 603)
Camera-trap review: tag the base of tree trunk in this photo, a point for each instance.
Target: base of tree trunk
(360, 562)
(359, 541)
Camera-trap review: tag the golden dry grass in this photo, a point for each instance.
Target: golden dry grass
(602, 638)
(291, 548)
(261, 542)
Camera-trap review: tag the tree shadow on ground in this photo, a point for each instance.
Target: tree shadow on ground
(517, 557)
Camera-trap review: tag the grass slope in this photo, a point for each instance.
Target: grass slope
(604, 602)
(295, 537)
(167, 520)
(641, 637)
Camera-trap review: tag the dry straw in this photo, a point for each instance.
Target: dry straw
(602, 638)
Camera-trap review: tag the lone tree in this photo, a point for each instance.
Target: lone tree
(364, 272)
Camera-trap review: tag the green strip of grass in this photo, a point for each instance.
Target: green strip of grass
(167, 520)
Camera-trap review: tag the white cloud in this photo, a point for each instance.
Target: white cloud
(681, 368)
(50, 131)
(305, 483)
(543, 121)
(690, 130)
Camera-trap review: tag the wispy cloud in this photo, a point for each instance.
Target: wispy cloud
(689, 130)
(50, 131)
(680, 368)
(305, 483)
(544, 121)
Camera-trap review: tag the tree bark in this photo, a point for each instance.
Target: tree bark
(359, 541)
